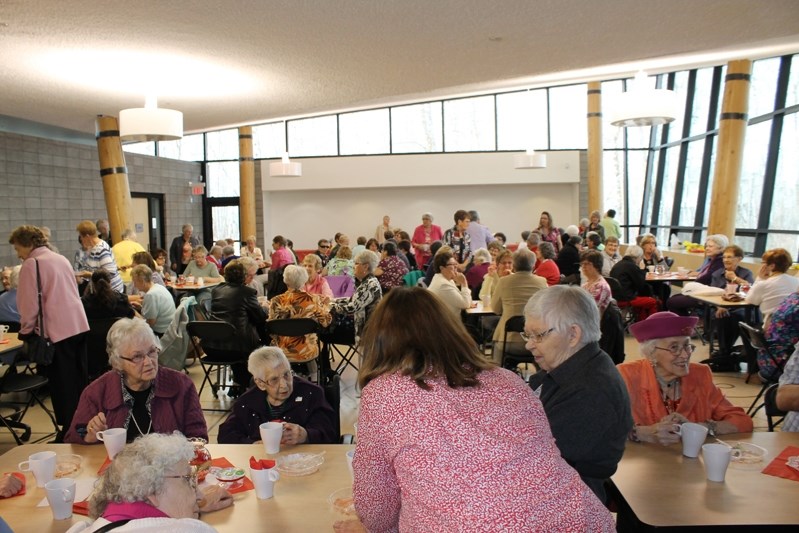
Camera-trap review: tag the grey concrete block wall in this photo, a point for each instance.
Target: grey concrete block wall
(57, 184)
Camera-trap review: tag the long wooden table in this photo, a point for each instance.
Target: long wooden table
(300, 503)
(670, 276)
(479, 309)
(656, 487)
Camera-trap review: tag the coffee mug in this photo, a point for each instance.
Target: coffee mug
(693, 436)
(61, 496)
(271, 433)
(264, 481)
(42, 464)
(3, 331)
(114, 440)
(717, 459)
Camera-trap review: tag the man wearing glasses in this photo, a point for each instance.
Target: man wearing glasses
(323, 251)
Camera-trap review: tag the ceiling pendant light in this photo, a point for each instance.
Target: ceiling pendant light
(150, 123)
(285, 168)
(530, 159)
(642, 106)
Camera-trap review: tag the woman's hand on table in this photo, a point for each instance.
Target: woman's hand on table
(96, 424)
(293, 434)
(9, 485)
(660, 433)
(214, 498)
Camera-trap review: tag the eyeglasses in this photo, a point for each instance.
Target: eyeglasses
(676, 350)
(452, 264)
(324, 246)
(191, 479)
(138, 358)
(273, 382)
(536, 337)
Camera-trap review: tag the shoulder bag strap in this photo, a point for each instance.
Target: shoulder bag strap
(39, 288)
(112, 525)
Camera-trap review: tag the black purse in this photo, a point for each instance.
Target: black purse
(39, 349)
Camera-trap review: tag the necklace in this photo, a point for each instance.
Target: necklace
(149, 427)
(670, 393)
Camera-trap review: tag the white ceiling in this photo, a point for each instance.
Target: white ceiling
(234, 62)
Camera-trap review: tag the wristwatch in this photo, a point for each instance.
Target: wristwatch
(711, 428)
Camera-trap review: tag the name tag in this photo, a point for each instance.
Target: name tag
(298, 399)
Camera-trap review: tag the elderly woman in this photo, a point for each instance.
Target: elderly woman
(143, 258)
(98, 255)
(279, 395)
(215, 256)
(502, 268)
(367, 291)
(250, 250)
(64, 318)
(423, 236)
(584, 397)
(137, 394)
(150, 486)
(474, 276)
(652, 254)
(595, 284)
(296, 303)
(200, 267)
(727, 319)
(237, 304)
(546, 267)
(610, 255)
(341, 264)
(594, 225)
(8, 299)
(391, 269)
(773, 283)
(666, 388)
(549, 232)
(449, 285)
(281, 256)
(429, 425)
(632, 280)
(157, 304)
(161, 258)
(316, 283)
(714, 247)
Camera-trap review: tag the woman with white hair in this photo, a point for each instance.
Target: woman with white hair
(296, 303)
(714, 260)
(423, 236)
(367, 291)
(632, 279)
(150, 486)
(584, 396)
(279, 395)
(137, 393)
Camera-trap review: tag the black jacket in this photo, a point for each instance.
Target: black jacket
(631, 278)
(238, 305)
(568, 260)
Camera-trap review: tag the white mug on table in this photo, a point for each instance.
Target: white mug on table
(42, 464)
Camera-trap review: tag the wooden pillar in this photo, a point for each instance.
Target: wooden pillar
(247, 183)
(114, 174)
(729, 154)
(594, 147)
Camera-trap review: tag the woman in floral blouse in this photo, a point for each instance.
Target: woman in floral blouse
(591, 266)
(549, 232)
(341, 264)
(391, 268)
(367, 291)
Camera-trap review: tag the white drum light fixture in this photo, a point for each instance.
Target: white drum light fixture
(642, 106)
(530, 159)
(285, 168)
(150, 123)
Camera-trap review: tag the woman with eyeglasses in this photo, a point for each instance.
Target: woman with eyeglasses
(449, 284)
(666, 388)
(150, 486)
(137, 393)
(278, 395)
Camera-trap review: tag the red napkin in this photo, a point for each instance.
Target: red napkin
(221, 462)
(778, 468)
(261, 464)
(81, 508)
(104, 466)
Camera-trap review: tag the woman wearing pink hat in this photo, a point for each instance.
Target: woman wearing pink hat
(666, 388)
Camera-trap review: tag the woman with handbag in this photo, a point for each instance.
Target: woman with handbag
(52, 320)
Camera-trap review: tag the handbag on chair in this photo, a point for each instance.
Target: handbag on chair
(39, 349)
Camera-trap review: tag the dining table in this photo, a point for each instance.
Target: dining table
(657, 488)
(192, 287)
(300, 503)
(478, 308)
(12, 343)
(671, 276)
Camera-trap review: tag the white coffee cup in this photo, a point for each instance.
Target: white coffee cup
(651, 268)
(264, 481)
(190, 280)
(693, 435)
(731, 288)
(200, 281)
(42, 464)
(487, 301)
(271, 433)
(350, 456)
(61, 496)
(3, 331)
(717, 458)
(114, 440)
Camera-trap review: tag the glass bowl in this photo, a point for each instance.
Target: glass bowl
(67, 465)
(300, 464)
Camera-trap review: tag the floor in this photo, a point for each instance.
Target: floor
(732, 384)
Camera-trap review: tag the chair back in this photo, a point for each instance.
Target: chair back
(615, 288)
(342, 286)
(772, 411)
(514, 324)
(611, 326)
(292, 327)
(755, 336)
(96, 345)
(333, 396)
(211, 330)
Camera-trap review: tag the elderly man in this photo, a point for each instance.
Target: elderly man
(583, 394)
(103, 231)
(98, 255)
(123, 253)
(323, 251)
(479, 235)
(176, 249)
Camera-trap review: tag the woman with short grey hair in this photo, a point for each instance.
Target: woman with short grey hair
(583, 395)
(367, 291)
(151, 486)
(137, 393)
(295, 277)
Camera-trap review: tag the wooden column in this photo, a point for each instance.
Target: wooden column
(247, 183)
(594, 146)
(114, 174)
(729, 154)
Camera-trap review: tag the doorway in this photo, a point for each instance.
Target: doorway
(148, 217)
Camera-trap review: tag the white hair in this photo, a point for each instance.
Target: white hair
(264, 358)
(295, 277)
(561, 306)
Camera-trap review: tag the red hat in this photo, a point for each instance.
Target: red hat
(663, 324)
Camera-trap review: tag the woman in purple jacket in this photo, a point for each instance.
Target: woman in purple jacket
(136, 394)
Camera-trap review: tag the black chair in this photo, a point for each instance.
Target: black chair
(341, 342)
(510, 360)
(97, 360)
(214, 358)
(297, 327)
(625, 307)
(16, 385)
(753, 341)
(772, 411)
(275, 284)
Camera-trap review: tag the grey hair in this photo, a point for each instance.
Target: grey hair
(474, 216)
(584, 222)
(295, 277)
(523, 260)
(142, 272)
(249, 263)
(185, 227)
(13, 278)
(483, 255)
(534, 239)
(634, 251)
(264, 358)
(313, 258)
(221, 243)
(214, 248)
(572, 230)
(137, 471)
(126, 332)
(199, 249)
(648, 348)
(561, 306)
(369, 258)
(721, 240)
(547, 250)
(228, 250)
(128, 234)
(428, 215)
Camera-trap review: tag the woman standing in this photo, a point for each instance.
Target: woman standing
(64, 319)
(429, 425)
(548, 231)
(423, 237)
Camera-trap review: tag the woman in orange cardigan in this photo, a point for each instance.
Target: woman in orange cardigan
(667, 389)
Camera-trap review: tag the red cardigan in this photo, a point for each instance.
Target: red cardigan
(548, 269)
